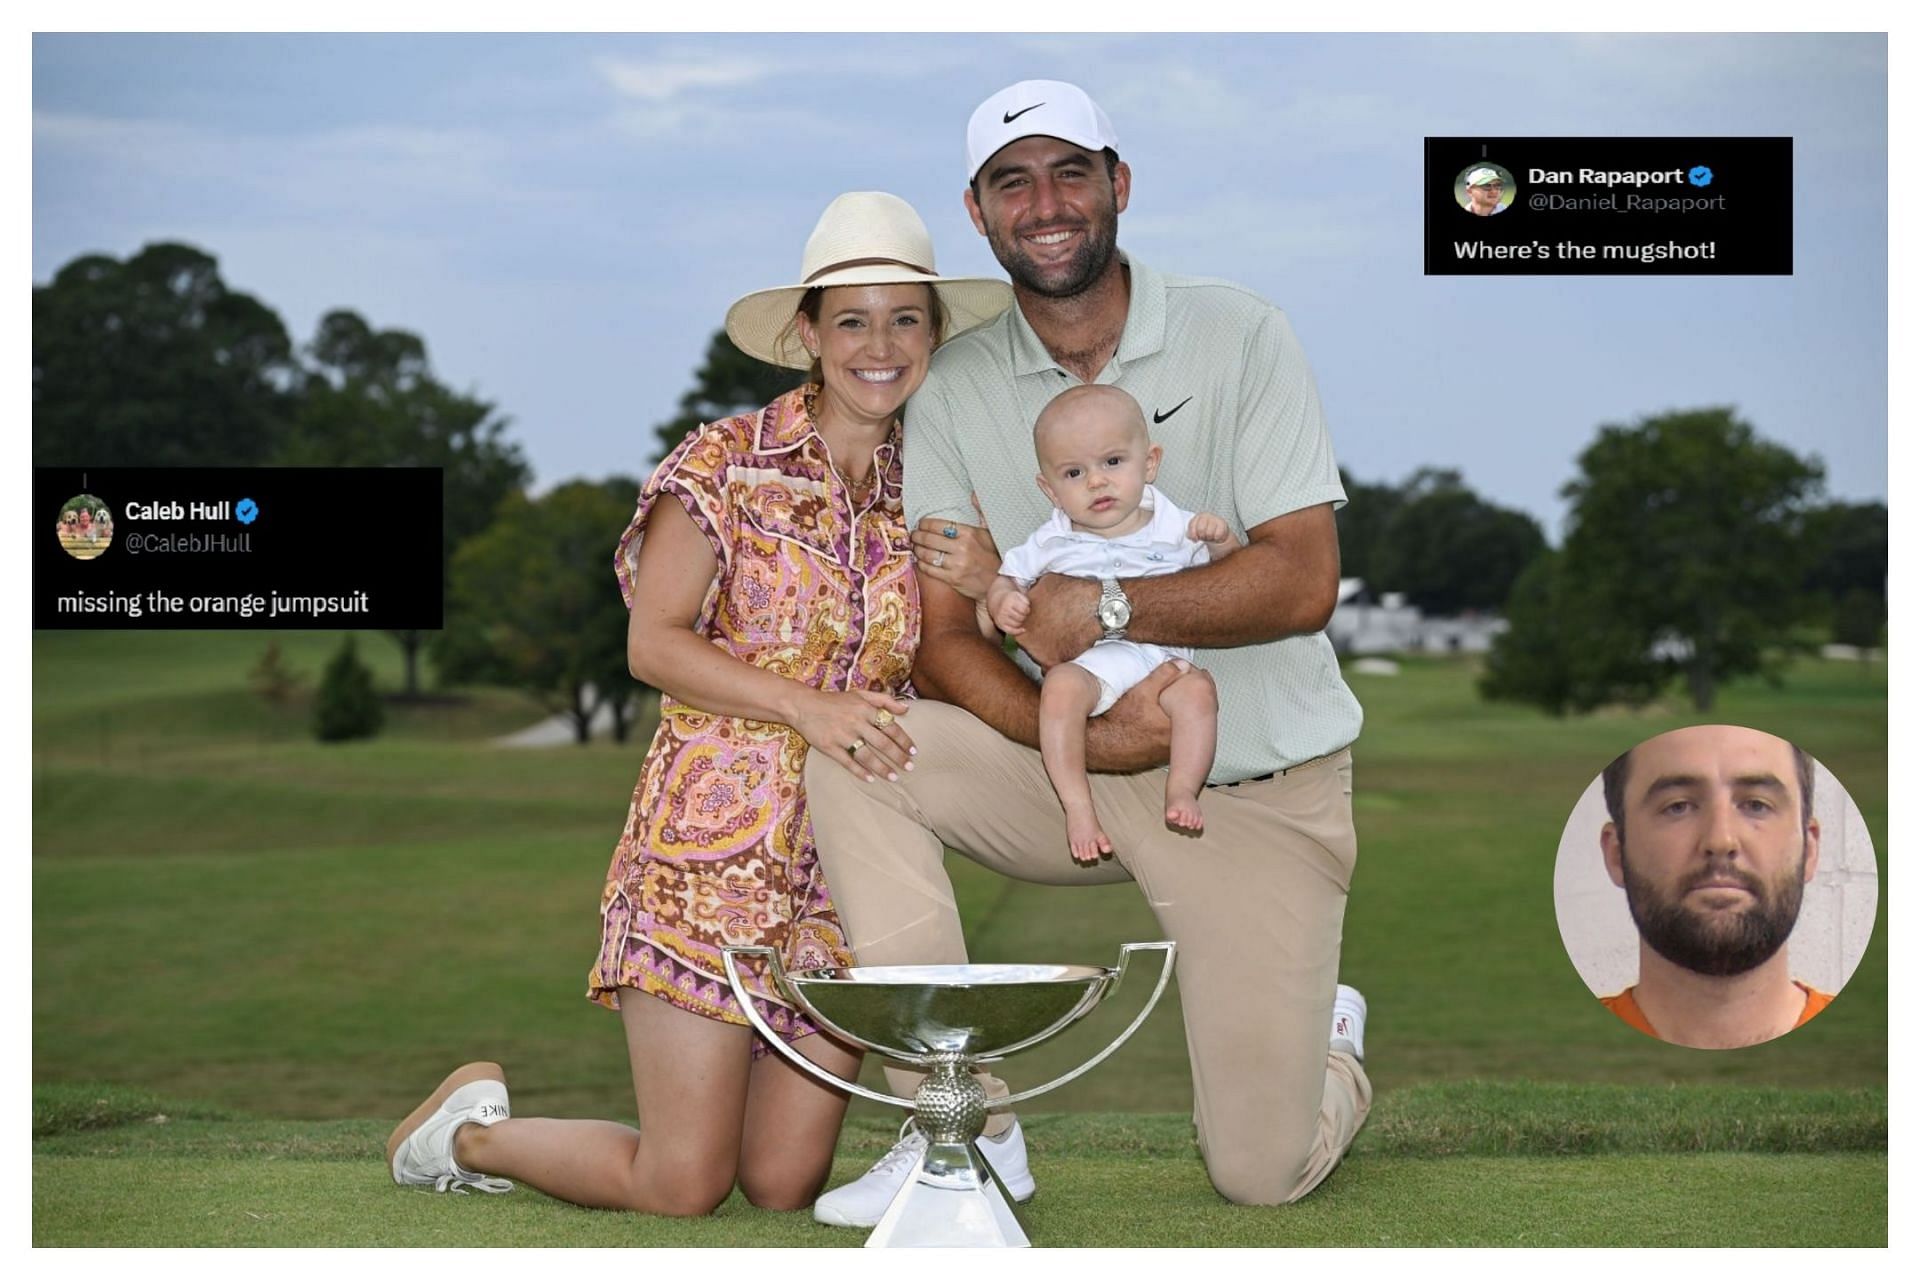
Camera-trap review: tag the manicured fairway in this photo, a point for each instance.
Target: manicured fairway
(230, 914)
(1105, 1180)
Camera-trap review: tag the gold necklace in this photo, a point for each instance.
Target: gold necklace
(857, 490)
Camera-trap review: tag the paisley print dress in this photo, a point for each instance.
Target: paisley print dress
(717, 849)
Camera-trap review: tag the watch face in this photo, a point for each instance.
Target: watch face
(1114, 614)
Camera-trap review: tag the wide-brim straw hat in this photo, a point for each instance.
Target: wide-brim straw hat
(864, 237)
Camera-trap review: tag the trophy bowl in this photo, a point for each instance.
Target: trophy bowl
(984, 1011)
(946, 1020)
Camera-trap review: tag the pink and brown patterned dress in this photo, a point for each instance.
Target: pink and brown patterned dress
(718, 850)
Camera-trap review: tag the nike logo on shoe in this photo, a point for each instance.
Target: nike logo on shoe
(1009, 119)
(1159, 417)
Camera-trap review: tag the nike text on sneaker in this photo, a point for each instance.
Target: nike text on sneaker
(862, 1202)
(1349, 1022)
(420, 1152)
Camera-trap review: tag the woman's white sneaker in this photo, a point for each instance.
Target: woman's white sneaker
(862, 1202)
(420, 1152)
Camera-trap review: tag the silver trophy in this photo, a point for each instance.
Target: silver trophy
(946, 1020)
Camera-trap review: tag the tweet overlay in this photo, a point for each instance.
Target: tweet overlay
(263, 548)
(1609, 206)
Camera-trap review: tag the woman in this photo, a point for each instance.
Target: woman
(774, 605)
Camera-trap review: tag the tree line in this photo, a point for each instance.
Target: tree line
(1695, 551)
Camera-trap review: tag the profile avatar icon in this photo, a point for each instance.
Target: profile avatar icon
(85, 527)
(1484, 190)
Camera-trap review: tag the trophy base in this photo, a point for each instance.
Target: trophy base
(952, 1201)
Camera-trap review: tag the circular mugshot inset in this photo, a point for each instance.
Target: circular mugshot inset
(1484, 189)
(85, 527)
(1715, 887)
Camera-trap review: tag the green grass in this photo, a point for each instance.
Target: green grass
(227, 912)
(1811, 1166)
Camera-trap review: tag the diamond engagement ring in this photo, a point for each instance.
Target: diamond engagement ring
(882, 718)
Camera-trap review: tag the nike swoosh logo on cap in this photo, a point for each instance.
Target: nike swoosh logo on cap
(1159, 417)
(1009, 119)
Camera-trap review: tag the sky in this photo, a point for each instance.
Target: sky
(566, 218)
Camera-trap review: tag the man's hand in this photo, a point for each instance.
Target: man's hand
(1135, 733)
(1283, 582)
(1061, 623)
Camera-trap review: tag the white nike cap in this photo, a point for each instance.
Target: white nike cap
(1036, 108)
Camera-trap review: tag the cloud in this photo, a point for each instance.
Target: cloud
(331, 169)
(665, 80)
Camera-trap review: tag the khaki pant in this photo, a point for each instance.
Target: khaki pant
(1255, 906)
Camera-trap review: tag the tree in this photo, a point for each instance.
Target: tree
(534, 603)
(1684, 553)
(371, 400)
(272, 678)
(1362, 524)
(1448, 549)
(155, 362)
(1434, 540)
(726, 383)
(346, 707)
(1859, 617)
(1850, 542)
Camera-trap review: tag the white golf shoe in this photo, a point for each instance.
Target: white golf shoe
(862, 1202)
(420, 1152)
(1349, 1022)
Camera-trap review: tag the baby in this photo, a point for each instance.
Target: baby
(1097, 468)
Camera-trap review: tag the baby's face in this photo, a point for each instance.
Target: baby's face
(1095, 464)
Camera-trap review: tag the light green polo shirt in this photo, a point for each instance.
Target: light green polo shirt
(1230, 399)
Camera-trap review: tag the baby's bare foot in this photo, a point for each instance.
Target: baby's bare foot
(1086, 840)
(1183, 814)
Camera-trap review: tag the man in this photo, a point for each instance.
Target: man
(1255, 903)
(1485, 187)
(1712, 835)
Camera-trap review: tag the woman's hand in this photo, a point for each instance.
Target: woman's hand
(857, 730)
(961, 555)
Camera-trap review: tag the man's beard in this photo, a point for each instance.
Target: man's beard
(1716, 944)
(1087, 265)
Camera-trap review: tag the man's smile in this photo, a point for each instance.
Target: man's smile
(1053, 238)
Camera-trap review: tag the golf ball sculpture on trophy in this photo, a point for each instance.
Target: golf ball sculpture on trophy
(946, 1020)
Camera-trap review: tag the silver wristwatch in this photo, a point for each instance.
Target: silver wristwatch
(1114, 611)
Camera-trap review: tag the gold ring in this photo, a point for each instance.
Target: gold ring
(882, 718)
(857, 744)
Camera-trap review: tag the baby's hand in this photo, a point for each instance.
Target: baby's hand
(1010, 611)
(1207, 527)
